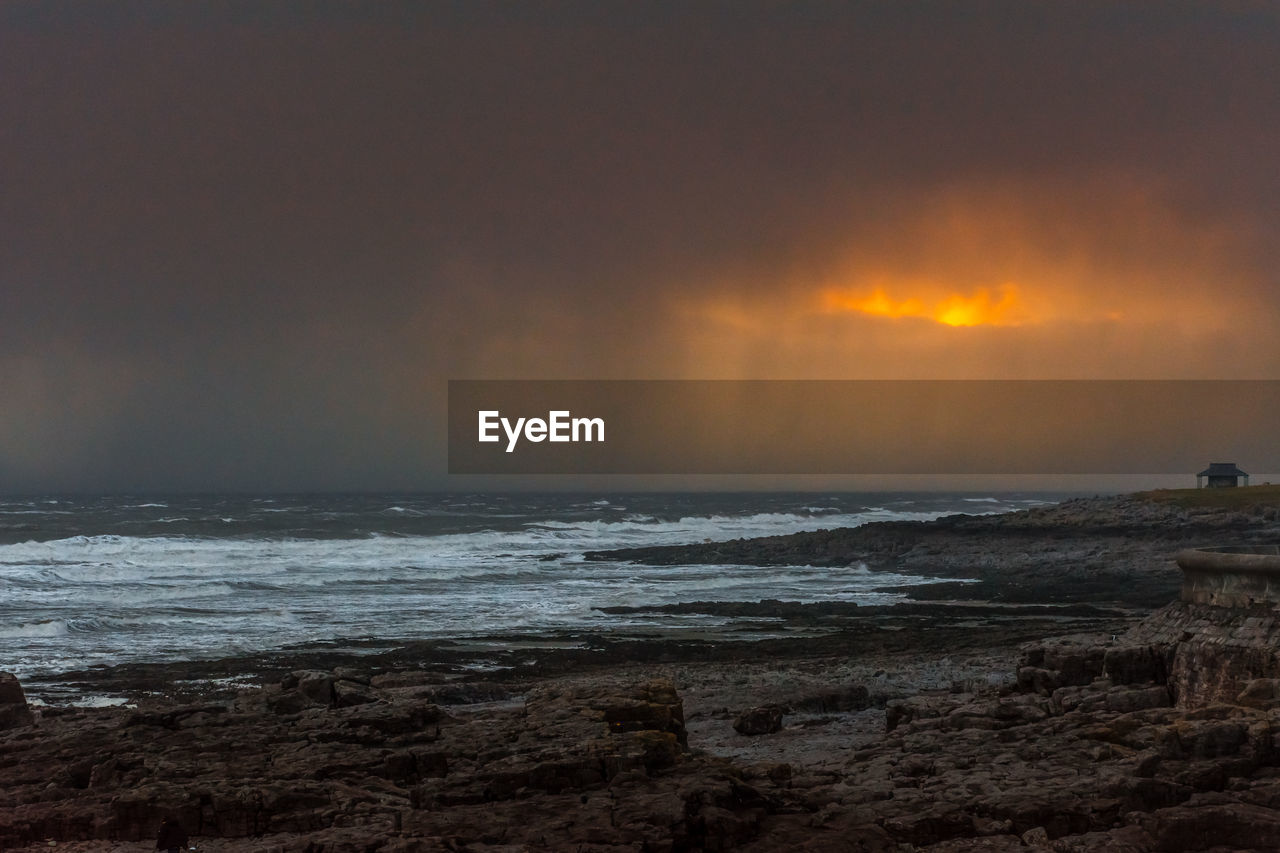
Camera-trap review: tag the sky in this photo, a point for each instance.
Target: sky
(246, 245)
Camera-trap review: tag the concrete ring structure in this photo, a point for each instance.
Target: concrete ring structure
(1231, 576)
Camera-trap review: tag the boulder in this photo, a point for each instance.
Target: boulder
(14, 711)
(1261, 693)
(315, 686)
(1225, 826)
(759, 721)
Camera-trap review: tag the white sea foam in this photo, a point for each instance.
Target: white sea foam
(35, 512)
(26, 630)
(488, 566)
(101, 702)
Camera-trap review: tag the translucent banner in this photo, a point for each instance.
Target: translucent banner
(861, 427)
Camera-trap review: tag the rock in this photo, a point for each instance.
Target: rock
(1137, 664)
(1034, 679)
(10, 690)
(176, 717)
(1262, 693)
(291, 702)
(853, 698)
(998, 713)
(314, 686)
(350, 673)
(1214, 652)
(1035, 837)
(1123, 700)
(1066, 662)
(899, 712)
(504, 776)
(348, 693)
(759, 721)
(14, 711)
(105, 774)
(1226, 826)
(1198, 739)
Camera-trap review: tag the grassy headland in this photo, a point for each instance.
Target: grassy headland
(1239, 498)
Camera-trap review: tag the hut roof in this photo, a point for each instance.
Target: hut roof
(1222, 469)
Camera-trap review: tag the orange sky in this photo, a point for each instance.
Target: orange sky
(1031, 281)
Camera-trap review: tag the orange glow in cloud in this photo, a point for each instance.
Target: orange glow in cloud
(981, 308)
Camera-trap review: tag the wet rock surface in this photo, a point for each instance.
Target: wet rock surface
(298, 760)
(861, 760)
(455, 671)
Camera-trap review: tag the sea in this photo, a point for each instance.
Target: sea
(88, 581)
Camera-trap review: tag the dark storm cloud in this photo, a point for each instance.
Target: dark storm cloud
(246, 243)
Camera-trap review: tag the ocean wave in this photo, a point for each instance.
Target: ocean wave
(30, 630)
(102, 624)
(119, 558)
(97, 701)
(402, 510)
(698, 528)
(35, 512)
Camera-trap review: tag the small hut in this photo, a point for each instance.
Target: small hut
(1220, 475)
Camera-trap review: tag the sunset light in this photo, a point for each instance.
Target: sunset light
(980, 308)
(672, 367)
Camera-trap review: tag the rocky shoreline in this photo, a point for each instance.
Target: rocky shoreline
(1087, 550)
(1054, 708)
(770, 630)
